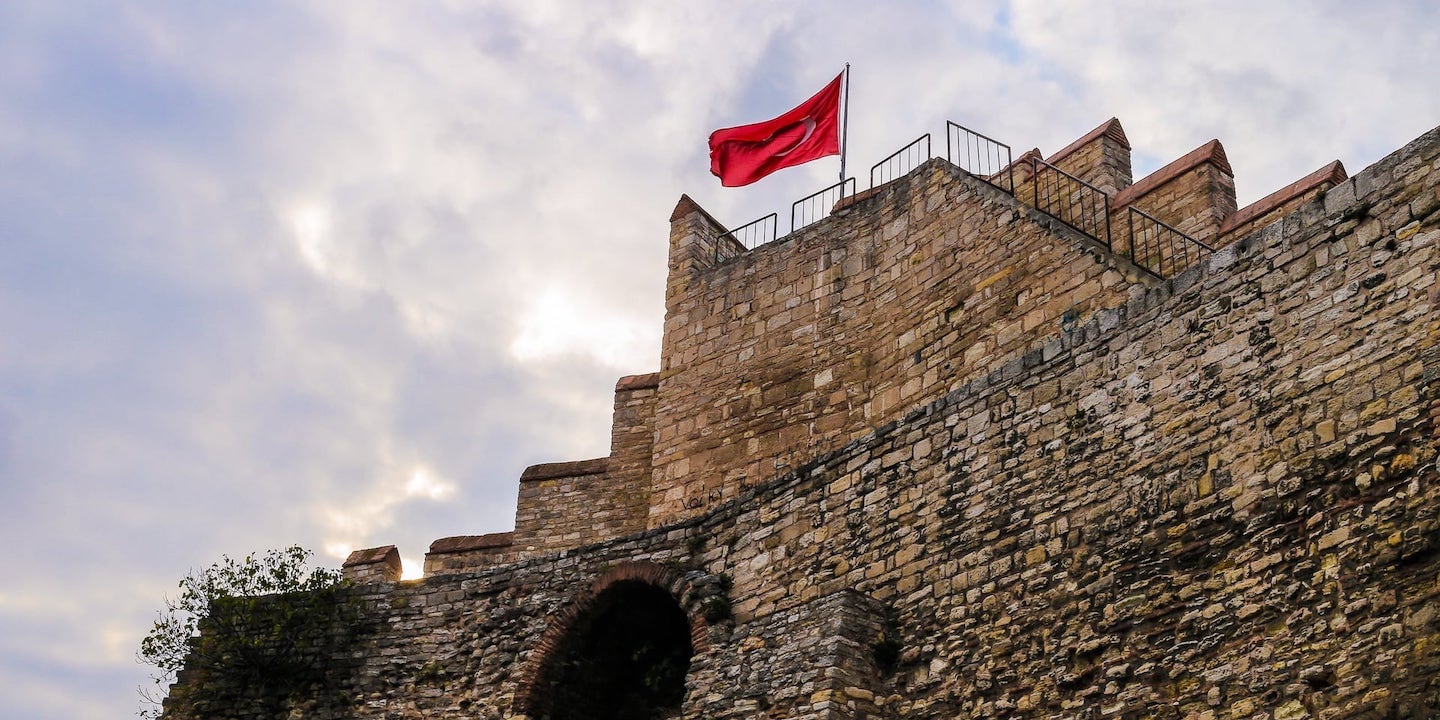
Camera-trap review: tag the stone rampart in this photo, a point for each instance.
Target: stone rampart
(907, 291)
(1213, 500)
(803, 344)
(1194, 194)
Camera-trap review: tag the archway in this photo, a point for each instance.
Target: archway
(624, 658)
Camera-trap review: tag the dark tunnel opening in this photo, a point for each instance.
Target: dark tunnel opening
(625, 659)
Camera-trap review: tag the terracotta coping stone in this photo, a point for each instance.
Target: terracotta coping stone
(1212, 152)
(1018, 162)
(371, 556)
(862, 195)
(1333, 174)
(849, 200)
(638, 382)
(464, 543)
(687, 206)
(546, 471)
(1110, 128)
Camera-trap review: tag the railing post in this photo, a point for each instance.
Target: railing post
(897, 153)
(801, 204)
(982, 156)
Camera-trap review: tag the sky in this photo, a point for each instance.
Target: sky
(334, 273)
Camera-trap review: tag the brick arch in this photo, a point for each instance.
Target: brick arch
(680, 585)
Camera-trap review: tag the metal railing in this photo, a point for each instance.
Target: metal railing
(1160, 249)
(1150, 244)
(727, 248)
(733, 243)
(901, 161)
(984, 157)
(1072, 201)
(817, 206)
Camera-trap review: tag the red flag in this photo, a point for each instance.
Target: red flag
(741, 155)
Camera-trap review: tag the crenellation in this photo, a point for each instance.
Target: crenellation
(1006, 474)
(1101, 157)
(373, 565)
(466, 552)
(1194, 194)
(1281, 203)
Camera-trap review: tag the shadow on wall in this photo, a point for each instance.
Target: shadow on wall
(625, 659)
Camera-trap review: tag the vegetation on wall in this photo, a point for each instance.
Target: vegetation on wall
(255, 627)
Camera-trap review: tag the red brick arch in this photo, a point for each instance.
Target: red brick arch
(535, 675)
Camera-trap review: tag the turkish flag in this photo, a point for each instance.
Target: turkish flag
(741, 155)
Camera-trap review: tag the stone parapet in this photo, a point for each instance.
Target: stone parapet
(1214, 499)
(468, 553)
(1280, 203)
(1194, 194)
(632, 449)
(1101, 157)
(372, 565)
(810, 341)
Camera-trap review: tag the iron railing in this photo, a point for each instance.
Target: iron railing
(727, 248)
(733, 243)
(981, 156)
(1160, 249)
(817, 206)
(901, 161)
(1150, 244)
(1072, 201)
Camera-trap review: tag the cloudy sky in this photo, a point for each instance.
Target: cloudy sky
(334, 273)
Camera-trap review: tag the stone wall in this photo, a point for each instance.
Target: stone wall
(1280, 203)
(905, 292)
(1194, 194)
(1214, 500)
(803, 344)
(1101, 157)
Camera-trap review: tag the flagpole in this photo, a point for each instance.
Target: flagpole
(845, 131)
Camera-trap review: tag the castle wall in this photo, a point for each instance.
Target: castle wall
(1280, 203)
(803, 344)
(632, 447)
(1214, 501)
(1194, 194)
(1213, 504)
(1218, 503)
(1101, 157)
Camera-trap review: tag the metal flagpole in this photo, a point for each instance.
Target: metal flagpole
(845, 131)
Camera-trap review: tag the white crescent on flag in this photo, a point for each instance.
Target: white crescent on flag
(809, 124)
(742, 154)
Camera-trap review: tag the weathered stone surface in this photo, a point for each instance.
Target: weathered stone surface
(380, 564)
(1212, 497)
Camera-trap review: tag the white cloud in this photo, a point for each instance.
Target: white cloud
(1286, 87)
(266, 262)
(355, 521)
(556, 325)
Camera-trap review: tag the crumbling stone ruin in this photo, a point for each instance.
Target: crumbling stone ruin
(958, 451)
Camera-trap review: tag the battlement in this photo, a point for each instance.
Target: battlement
(904, 292)
(952, 452)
